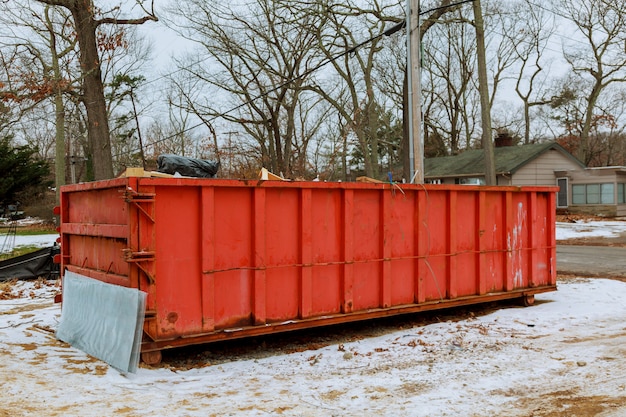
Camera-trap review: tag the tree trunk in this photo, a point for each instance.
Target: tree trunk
(59, 157)
(583, 149)
(526, 123)
(59, 119)
(483, 87)
(93, 91)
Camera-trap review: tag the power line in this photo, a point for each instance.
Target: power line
(322, 64)
(387, 32)
(278, 87)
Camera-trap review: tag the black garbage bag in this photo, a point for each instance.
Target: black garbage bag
(188, 167)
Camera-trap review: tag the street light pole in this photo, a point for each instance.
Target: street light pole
(416, 144)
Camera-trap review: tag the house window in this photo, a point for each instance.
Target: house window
(607, 194)
(593, 194)
(470, 181)
(578, 194)
(561, 197)
(620, 193)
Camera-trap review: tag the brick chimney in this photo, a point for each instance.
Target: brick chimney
(504, 138)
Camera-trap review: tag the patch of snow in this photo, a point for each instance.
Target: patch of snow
(10, 242)
(582, 229)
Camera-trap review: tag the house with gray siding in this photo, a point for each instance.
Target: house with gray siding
(598, 191)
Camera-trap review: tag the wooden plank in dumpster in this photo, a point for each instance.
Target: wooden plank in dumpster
(223, 259)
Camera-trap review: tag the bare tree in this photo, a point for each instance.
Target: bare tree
(450, 96)
(263, 57)
(531, 29)
(452, 89)
(87, 19)
(602, 24)
(46, 46)
(352, 91)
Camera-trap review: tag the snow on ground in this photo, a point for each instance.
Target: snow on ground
(582, 229)
(561, 357)
(9, 242)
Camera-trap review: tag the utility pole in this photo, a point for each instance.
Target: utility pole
(414, 81)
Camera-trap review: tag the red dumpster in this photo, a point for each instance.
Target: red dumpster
(224, 259)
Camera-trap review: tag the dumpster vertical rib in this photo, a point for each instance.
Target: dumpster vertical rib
(551, 213)
(259, 248)
(347, 301)
(306, 253)
(533, 268)
(208, 258)
(420, 236)
(482, 270)
(385, 249)
(147, 241)
(451, 278)
(64, 218)
(508, 230)
(133, 238)
(501, 245)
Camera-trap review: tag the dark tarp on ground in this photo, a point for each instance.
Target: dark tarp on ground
(31, 265)
(188, 167)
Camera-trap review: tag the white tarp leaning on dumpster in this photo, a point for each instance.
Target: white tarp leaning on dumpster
(103, 320)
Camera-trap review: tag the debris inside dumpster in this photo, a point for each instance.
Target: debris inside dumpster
(187, 167)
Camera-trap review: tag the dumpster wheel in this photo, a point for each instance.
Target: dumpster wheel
(528, 300)
(152, 358)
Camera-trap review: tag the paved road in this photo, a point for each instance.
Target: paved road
(600, 261)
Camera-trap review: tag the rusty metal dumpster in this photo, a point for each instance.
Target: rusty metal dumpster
(222, 259)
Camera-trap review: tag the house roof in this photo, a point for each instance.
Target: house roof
(471, 163)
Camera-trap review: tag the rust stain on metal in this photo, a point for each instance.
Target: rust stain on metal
(172, 317)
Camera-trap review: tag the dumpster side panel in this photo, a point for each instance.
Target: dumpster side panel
(435, 241)
(400, 224)
(367, 255)
(517, 239)
(94, 232)
(98, 206)
(282, 255)
(98, 253)
(491, 241)
(233, 248)
(329, 290)
(541, 238)
(178, 271)
(466, 235)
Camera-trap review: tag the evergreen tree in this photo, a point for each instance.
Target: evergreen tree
(20, 171)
